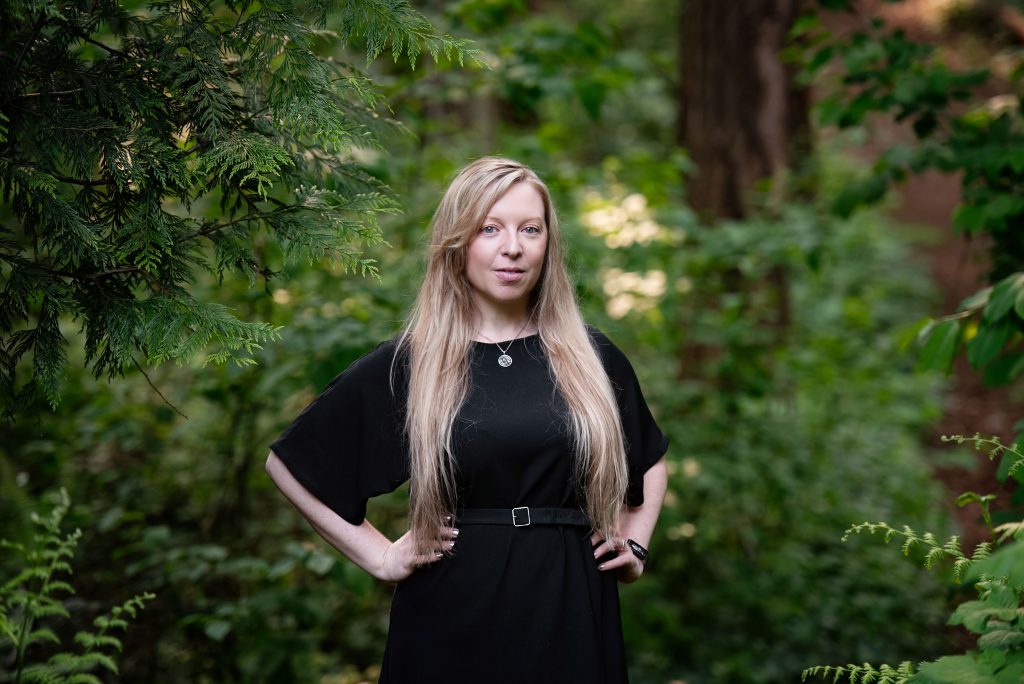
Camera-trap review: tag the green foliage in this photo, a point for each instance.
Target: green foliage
(883, 71)
(997, 616)
(782, 436)
(31, 601)
(144, 145)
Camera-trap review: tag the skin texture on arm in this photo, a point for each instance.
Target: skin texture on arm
(362, 544)
(636, 523)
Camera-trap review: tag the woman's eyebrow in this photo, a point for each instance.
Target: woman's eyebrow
(526, 220)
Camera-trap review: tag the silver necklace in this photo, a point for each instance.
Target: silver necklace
(505, 360)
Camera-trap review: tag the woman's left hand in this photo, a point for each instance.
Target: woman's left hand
(627, 566)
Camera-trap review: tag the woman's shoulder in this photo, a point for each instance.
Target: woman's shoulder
(613, 358)
(375, 365)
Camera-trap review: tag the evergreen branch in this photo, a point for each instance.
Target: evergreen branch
(40, 22)
(185, 102)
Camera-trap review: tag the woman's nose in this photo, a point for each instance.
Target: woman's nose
(511, 246)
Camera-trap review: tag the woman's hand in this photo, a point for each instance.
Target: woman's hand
(400, 559)
(628, 568)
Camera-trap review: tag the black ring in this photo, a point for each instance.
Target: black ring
(638, 551)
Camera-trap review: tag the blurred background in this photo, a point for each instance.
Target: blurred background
(788, 213)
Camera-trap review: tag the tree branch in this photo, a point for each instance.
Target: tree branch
(113, 271)
(211, 229)
(81, 181)
(31, 39)
(55, 93)
(113, 51)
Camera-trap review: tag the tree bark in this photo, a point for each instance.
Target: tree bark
(742, 116)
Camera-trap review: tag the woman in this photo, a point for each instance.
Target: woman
(509, 414)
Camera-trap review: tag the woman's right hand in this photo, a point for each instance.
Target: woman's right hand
(401, 560)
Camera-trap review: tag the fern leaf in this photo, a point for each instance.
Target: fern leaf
(43, 634)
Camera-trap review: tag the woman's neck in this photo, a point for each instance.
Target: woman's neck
(500, 325)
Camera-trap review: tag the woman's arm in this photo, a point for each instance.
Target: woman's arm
(363, 544)
(636, 523)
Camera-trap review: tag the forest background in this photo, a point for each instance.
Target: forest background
(244, 189)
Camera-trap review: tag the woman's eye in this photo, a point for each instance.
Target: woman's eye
(489, 229)
(532, 229)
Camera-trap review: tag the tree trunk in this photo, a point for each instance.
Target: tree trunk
(742, 117)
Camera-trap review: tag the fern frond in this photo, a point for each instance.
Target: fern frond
(933, 550)
(863, 674)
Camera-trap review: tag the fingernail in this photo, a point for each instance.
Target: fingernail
(601, 566)
(455, 533)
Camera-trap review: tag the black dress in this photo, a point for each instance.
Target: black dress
(511, 604)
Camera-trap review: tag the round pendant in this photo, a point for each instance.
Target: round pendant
(504, 360)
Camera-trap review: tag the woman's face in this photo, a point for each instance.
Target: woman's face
(506, 256)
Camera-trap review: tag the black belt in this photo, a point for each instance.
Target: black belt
(523, 516)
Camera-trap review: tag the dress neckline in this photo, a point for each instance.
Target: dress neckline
(504, 342)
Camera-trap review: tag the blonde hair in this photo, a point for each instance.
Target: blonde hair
(438, 337)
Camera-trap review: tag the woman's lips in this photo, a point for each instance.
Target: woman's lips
(509, 276)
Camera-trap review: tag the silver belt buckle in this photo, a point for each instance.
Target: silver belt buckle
(517, 514)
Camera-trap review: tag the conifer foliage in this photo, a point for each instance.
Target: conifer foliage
(143, 143)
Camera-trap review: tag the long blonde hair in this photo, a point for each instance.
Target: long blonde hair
(438, 337)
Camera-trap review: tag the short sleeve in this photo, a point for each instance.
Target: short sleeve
(347, 445)
(645, 442)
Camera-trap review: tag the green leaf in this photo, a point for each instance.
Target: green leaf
(974, 615)
(859, 193)
(976, 300)
(989, 340)
(217, 629)
(1001, 639)
(319, 563)
(938, 351)
(1003, 297)
(959, 669)
(1018, 304)
(968, 218)
(1007, 561)
(1004, 369)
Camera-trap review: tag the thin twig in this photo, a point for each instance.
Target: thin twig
(55, 93)
(113, 271)
(209, 230)
(113, 51)
(173, 407)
